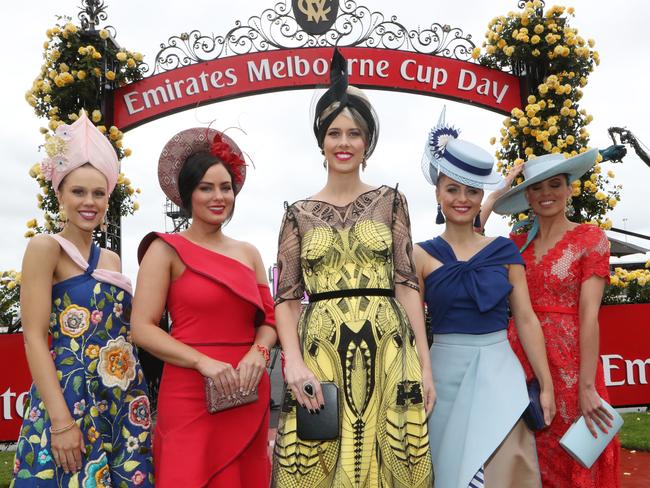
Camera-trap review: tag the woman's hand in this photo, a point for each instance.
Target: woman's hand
(429, 390)
(251, 368)
(547, 401)
(594, 411)
(226, 378)
(508, 180)
(67, 448)
(506, 184)
(297, 374)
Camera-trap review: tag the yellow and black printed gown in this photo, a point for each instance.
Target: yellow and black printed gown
(364, 344)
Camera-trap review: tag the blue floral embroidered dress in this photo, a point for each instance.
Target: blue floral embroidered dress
(103, 385)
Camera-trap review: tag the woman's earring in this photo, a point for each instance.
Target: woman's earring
(477, 220)
(104, 225)
(364, 163)
(440, 218)
(570, 210)
(325, 163)
(63, 218)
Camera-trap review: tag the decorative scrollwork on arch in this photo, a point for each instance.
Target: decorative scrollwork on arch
(277, 28)
(92, 12)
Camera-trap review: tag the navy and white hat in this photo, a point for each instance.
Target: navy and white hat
(460, 160)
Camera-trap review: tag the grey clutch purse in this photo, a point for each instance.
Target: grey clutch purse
(216, 402)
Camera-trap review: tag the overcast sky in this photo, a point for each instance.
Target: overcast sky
(288, 164)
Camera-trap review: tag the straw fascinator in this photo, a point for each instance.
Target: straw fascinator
(189, 142)
(462, 161)
(73, 146)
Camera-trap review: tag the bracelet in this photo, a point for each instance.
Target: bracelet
(63, 429)
(264, 351)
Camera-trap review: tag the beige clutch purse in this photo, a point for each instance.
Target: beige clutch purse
(216, 402)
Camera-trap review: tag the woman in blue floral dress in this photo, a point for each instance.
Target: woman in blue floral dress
(87, 418)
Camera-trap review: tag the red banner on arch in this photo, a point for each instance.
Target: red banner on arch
(288, 69)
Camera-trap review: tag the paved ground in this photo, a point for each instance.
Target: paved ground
(635, 466)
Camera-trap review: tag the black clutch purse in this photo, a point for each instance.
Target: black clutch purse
(324, 426)
(534, 414)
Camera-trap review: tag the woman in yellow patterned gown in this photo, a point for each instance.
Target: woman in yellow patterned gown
(349, 247)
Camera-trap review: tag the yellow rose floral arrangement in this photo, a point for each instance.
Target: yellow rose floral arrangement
(78, 67)
(542, 46)
(9, 296)
(628, 286)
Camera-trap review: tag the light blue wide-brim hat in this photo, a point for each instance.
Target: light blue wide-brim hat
(460, 160)
(539, 169)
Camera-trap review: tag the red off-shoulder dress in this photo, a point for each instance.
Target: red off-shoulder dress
(215, 307)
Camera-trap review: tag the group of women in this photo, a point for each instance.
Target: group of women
(502, 311)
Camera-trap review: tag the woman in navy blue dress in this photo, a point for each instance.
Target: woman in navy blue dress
(469, 281)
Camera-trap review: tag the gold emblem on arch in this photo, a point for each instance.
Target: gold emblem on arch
(315, 10)
(315, 16)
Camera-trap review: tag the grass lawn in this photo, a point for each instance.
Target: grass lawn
(6, 467)
(635, 433)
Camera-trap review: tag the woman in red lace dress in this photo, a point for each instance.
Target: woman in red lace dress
(567, 267)
(222, 323)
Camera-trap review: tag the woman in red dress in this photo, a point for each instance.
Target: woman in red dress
(222, 323)
(567, 267)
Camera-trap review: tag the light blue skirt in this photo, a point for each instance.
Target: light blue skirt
(481, 394)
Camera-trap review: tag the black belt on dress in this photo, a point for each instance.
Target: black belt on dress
(355, 292)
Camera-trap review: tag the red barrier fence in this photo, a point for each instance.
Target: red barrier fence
(624, 349)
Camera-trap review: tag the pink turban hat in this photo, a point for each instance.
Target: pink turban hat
(75, 145)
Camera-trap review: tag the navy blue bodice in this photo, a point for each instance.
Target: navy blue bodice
(469, 297)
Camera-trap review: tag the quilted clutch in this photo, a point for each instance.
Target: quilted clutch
(216, 402)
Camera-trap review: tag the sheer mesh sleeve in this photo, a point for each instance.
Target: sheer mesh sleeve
(595, 260)
(290, 284)
(402, 244)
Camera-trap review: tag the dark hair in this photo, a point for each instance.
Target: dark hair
(191, 175)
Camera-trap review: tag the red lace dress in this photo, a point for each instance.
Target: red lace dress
(554, 283)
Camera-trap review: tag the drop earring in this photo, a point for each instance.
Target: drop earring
(477, 220)
(63, 218)
(570, 209)
(440, 218)
(104, 225)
